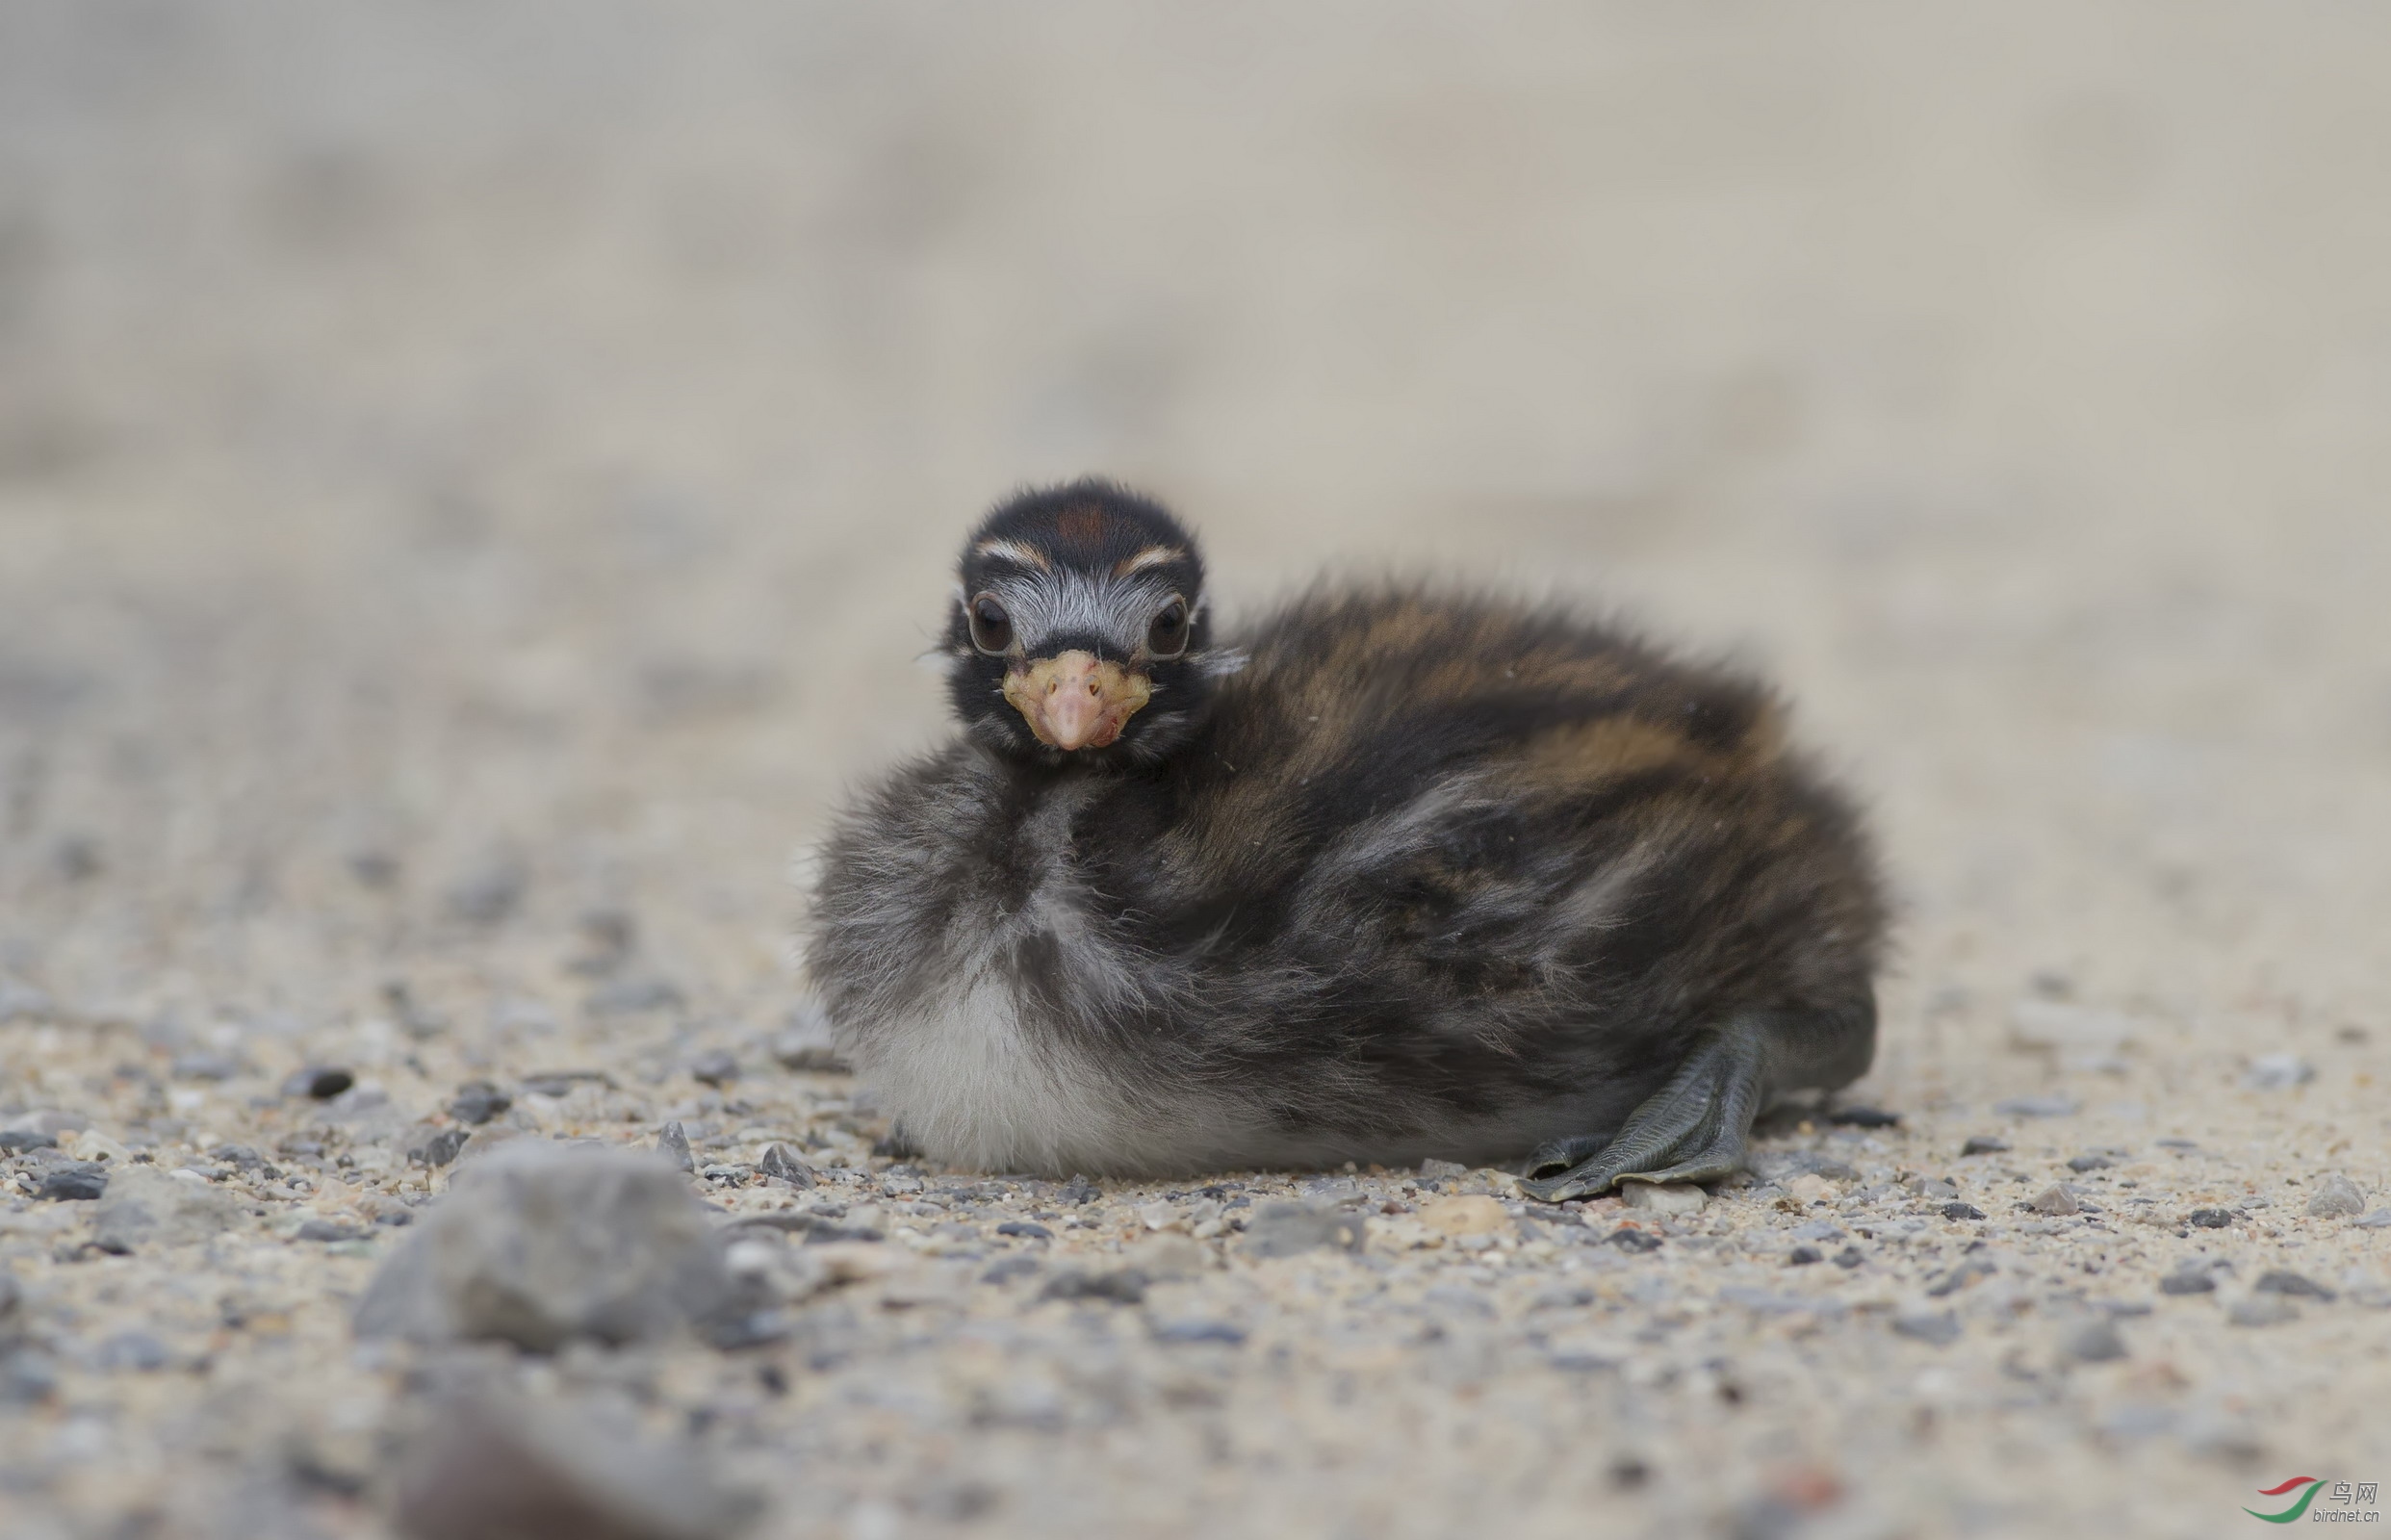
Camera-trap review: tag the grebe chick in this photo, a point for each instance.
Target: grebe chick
(1401, 873)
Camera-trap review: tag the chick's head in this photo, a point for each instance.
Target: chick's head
(1079, 630)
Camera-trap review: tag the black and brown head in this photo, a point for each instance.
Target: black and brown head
(1079, 630)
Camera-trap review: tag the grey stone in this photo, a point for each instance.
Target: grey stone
(1775, 1166)
(2209, 1218)
(1962, 1211)
(672, 1143)
(2090, 1163)
(1285, 1229)
(2262, 1309)
(489, 893)
(137, 1352)
(539, 1243)
(510, 1470)
(626, 997)
(2277, 1280)
(27, 1374)
(803, 1043)
(1436, 1170)
(1936, 1329)
(203, 1064)
(2096, 1341)
(477, 1101)
(2337, 1197)
(2054, 1199)
(1969, 1271)
(437, 1148)
(1121, 1286)
(1802, 1256)
(1664, 1198)
(716, 1067)
(321, 1082)
(20, 1001)
(326, 1230)
(782, 1164)
(1818, 1230)
(2190, 1278)
(2054, 1106)
(145, 1206)
(73, 1182)
(2379, 1219)
(2277, 1071)
(1984, 1145)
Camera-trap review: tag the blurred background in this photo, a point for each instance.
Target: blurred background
(466, 466)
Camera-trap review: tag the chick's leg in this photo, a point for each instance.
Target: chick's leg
(1694, 1129)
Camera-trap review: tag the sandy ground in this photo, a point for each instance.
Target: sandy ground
(463, 473)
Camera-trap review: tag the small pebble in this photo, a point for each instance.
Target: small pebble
(137, 1352)
(716, 1067)
(1664, 1198)
(2262, 1309)
(803, 1043)
(326, 1230)
(2337, 1197)
(2209, 1218)
(487, 894)
(2277, 1071)
(1473, 1214)
(505, 1470)
(1627, 1237)
(1984, 1145)
(1939, 1330)
(1863, 1117)
(1025, 1230)
(2277, 1280)
(782, 1164)
(73, 1182)
(635, 996)
(321, 1082)
(1182, 1332)
(1803, 1256)
(1849, 1257)
(2039, 1107)
(674, 1145)
(2096, 1341)
(477, 1101)
(1124, 1286)
(2379, 1219)
(2054, 1199)
(2090, 1163)
(440, 1147)
(1962, 1211)
(1435, 1171)
(1286, 1229)
(2190, 1278)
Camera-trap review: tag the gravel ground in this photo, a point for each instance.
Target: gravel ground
(469, 500)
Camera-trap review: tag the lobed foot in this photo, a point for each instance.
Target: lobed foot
(1691, 1130)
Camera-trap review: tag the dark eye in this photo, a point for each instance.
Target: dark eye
(991, 628)
(1167, 637)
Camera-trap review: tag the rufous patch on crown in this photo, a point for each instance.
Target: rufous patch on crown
(1083, 524)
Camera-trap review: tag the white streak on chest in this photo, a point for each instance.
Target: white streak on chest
(978, 1083)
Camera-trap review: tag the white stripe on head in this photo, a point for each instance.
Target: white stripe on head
(1150, 556)
(1015, 552)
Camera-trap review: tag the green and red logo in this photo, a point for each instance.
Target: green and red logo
(2309, 1486)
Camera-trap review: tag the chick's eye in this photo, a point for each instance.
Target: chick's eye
(1167, 637)
(991, 628)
